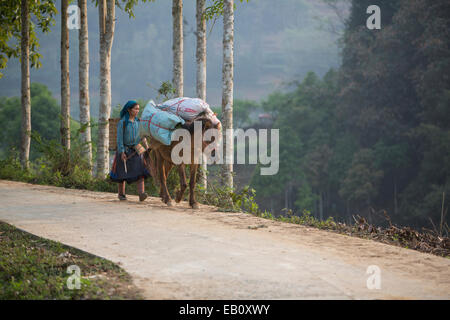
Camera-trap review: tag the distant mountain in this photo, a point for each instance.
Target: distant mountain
(274, 45)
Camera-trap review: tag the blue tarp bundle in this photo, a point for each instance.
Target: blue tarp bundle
(158, 124)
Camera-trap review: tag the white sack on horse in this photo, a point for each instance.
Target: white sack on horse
(158, 124)
(188, 108)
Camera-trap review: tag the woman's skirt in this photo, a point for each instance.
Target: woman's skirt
(135, 168)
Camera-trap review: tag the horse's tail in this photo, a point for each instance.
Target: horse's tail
(152, 167)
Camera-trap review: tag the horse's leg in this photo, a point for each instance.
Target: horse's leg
(183, 184)
(159, 171)
(192, 181)
(163, 179)
(167, 167)
(161, 188)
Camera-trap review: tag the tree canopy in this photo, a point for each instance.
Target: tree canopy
(42, 12)
(373, 134)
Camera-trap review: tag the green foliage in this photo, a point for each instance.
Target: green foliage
(128, 6)
(41, 15)
(55, 165)
(363, 178)
(11, 168)
(167, 90)
(45, 118)
(57, 157)
(375, 132)
(307, 132)
(216, 195)
(246, 200)
(35, 268)
(396, 107)
(307, 219)
(228, 199)
(215, 10)
(50, 162)
(305, 197)
(241, 112)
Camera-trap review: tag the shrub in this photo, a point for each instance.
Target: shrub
(10, 168)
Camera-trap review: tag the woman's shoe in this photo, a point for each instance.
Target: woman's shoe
(142, 196)
(122, 197)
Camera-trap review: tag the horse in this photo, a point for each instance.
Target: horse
(159, 162)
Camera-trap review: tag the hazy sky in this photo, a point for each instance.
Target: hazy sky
(274, 44)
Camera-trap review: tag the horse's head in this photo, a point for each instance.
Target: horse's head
(208, 121)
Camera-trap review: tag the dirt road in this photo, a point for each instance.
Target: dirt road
(180, 253)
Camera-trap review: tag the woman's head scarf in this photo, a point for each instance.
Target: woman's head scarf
(124, 112)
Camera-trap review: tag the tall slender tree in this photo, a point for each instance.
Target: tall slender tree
(227, 87)
(25, 84)
(177, 47)
(201, 68)
(15, 23)
(106, 10)
(11, 28)
(83, 79)
(201, 50)
(65, 80)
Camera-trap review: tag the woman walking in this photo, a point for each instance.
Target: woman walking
(128, 165)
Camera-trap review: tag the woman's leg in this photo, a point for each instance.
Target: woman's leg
(140, 185)
(141, 190)
(121, 188)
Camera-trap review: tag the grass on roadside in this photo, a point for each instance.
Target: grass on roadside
(427, 241)
(36, 268)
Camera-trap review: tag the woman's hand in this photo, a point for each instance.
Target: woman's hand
(123, 156)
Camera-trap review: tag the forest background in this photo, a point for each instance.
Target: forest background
(363, 114)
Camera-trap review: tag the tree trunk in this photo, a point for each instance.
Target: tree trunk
(65, 81)
(201, 50)
(227, 87)
(177, 15)
(25, 85)
(106, 20)
(201, 71)
(83, 68)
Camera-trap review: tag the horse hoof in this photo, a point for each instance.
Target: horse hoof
(179, 196)
(195, 206)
